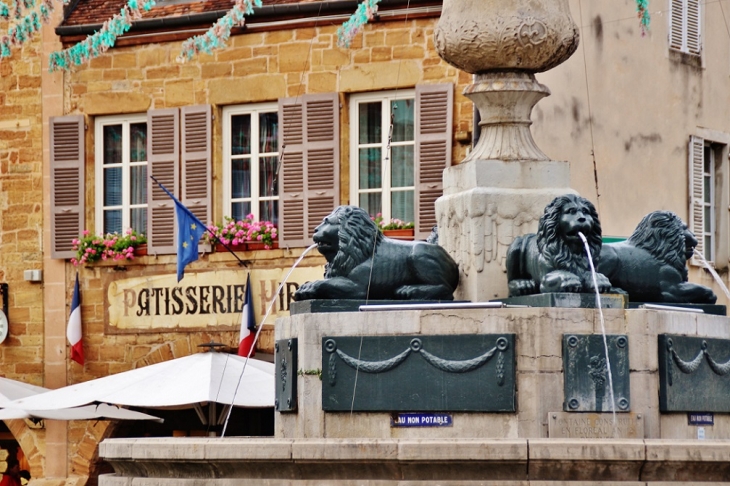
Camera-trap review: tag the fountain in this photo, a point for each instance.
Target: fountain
(503, 395)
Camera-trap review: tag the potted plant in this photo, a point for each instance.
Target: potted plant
(112, 246)
(245, 234)
(395, 228)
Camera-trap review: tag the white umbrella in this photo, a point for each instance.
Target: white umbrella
(182, 382)
(12, 390)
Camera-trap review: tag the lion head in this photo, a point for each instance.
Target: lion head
(346, 237)
(666, 238)
(557, 232)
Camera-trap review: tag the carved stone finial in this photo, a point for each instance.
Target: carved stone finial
(478, 36)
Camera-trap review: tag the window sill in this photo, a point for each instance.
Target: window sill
(692, 60)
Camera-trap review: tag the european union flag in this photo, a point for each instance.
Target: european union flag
(189, 231)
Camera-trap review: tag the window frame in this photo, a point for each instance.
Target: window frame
(99, 124)
(386, 189)
(256, 198)
(719, 144)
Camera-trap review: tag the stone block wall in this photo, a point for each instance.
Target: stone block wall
(21, 211)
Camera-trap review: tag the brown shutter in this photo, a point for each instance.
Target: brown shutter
(309, 175)
(196, 163)
(434, 114)
(697, 193)
(67, 183)
(163, 142)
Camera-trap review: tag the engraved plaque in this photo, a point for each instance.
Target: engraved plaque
(286, 375)
(595, 425)
(586, 385)
(474, 373)
(694, 374)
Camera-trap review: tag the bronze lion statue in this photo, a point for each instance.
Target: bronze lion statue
(364, 264)
(651, 265)
(554, 259)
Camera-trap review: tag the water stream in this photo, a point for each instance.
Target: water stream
(603, 332)
(714, 274)
(256, 338)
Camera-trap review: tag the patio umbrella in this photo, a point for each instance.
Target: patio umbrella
(11, 390)
(178, 383)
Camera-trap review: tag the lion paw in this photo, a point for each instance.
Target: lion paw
(604, 285)
(306, 291)
(522, 287)
(561, 281)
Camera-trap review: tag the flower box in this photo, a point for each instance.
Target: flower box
(250, 246)
(399, 234)
(115, 247)
(244, 235)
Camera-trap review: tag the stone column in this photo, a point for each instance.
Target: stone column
(501, 189)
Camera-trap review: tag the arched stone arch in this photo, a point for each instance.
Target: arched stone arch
(28, 439)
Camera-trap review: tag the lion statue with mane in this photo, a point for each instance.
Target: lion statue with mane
(554, 259)
(651, 264)
(364, 264)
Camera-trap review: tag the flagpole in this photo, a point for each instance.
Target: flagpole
(243, 263)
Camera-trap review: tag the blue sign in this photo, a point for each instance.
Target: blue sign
(700, 418)
(421, 420)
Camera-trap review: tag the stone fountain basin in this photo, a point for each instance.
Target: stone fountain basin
(513, 449)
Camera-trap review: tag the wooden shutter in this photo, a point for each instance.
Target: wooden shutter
(309, 176)
(434, 115)
(684, 26)
(163, 149)
(693, 26)
(697, 193)
(67, 183)
(197, 163)
(676, 24)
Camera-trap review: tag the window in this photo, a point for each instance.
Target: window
(382, 153)
(399, 172)
(684, 26)
(251, 156)
(708, 194)
(121, 174)
(171, 144)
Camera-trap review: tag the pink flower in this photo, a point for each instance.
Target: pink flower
(86, 232)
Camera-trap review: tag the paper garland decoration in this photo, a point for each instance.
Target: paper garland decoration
(642, 10)
(100, 41)
(26, 25)
(217, 36)
(365, 12)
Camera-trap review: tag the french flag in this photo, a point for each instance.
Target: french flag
(248, 324)
(73, 331)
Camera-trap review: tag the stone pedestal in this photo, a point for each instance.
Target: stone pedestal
(486, 203)
(500, 190)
